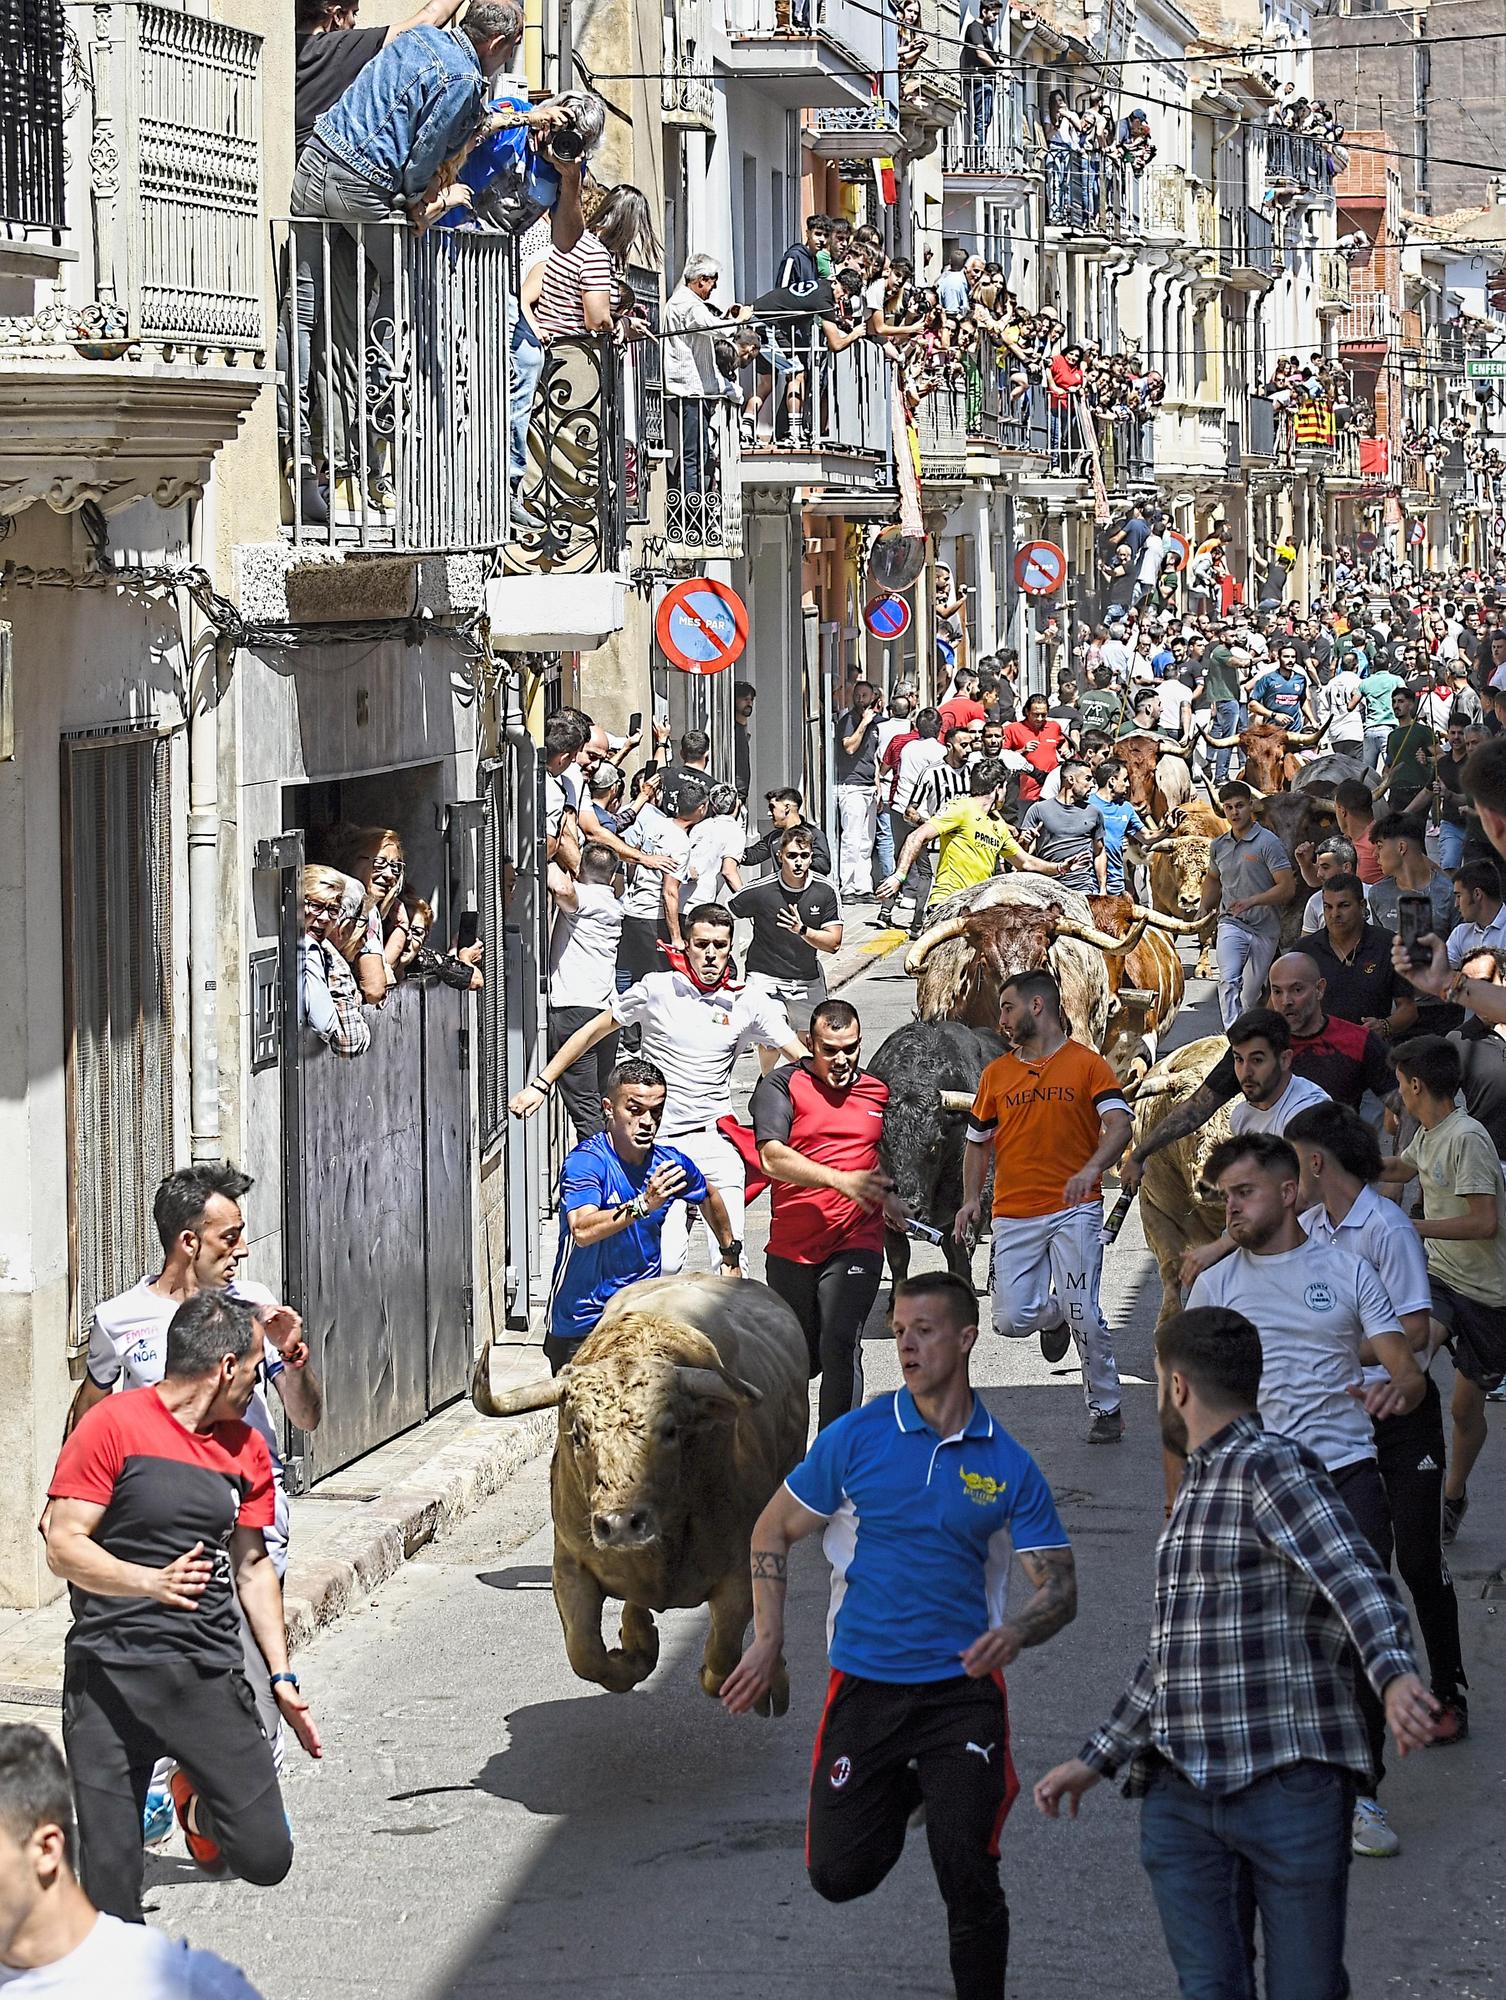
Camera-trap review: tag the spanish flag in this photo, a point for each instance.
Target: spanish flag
(886, 181)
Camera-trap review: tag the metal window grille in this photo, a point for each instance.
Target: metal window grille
(118, 945)
(31, 113)
(645, 361)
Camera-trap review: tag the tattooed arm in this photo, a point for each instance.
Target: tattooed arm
(782, 1522)
(1054, 1604)
(1196, 1112)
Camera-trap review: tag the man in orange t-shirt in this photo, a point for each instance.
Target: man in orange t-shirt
(1055, 1116)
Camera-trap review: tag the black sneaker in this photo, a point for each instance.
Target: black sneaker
(1452, 1722)
(1107, 1428)
(1454, 1512)
(1055, 1340)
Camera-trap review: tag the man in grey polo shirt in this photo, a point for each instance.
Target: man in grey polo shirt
(1069, 829)
(1248, 882)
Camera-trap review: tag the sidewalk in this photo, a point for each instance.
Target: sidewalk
(354, 1530)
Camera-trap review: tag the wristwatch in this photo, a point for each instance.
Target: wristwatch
(732, 1253)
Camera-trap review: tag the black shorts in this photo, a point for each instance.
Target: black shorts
(1477, 1335)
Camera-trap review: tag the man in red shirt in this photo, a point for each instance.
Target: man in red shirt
(155, 1516)
(962, 708)
(1039, 741)
(818, 1123)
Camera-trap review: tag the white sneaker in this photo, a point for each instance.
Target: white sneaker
(1372, 1834)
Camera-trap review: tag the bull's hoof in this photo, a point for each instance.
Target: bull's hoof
(622, 1671)
(712, 1683)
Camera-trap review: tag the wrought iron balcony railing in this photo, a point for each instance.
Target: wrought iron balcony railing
(569, 515)
(1333, 281)
(857, 30)
(687, 92)
(31, 115)
(801, 398)
(1299, 157)
(162, 144)
(1087, 193)
(704, 499)
(988, 136)
(393, 385)
(1370, 316)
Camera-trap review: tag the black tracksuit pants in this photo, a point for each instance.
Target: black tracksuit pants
(956, 1735)
(832, 1301)
(1412, 1456)
(117, 1721)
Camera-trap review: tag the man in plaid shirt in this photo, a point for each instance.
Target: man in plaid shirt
(1240, 1729)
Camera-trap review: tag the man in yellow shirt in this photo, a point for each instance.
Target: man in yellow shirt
(976, 840)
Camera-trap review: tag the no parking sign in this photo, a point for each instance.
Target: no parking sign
(1040, 568)
(701, 626)
(887, 617)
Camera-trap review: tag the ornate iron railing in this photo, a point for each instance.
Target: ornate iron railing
(569, 509)
(804, 398)
(31, 114)
(687, 92)
(393, 352)
(1299, 157)
(643, 399)
(1089, 192)
(704, 500)
(988, 135)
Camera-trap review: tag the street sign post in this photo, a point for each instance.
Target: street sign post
(887, 617)
(1040, 568)
(701, 625)
(1177, 544)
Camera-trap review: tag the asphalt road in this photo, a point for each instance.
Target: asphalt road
(484, 1824)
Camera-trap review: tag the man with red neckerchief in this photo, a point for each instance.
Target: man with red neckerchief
(694, 1023)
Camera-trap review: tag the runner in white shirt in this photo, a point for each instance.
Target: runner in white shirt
(694, 1024)
(583, 947)
(716, 848)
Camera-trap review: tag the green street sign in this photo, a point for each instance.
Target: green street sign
(1478, 367)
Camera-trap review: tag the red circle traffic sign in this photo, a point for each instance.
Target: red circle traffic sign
(701, 626)
(1175, 539)
(887, 617)
(1040, 568)
(1419, 534)
(1367, 543)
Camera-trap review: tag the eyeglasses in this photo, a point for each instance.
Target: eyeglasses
(313, 909)
(383, 864)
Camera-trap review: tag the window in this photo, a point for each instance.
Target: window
(118, 1017)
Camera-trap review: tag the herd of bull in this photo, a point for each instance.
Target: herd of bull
(688, 1405)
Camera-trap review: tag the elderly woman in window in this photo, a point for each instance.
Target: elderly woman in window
(374, 856)
(328, 1003)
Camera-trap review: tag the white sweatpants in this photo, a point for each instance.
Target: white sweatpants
(1244, 959)
(857, 824)
(1047, 1269)
(722, 1168)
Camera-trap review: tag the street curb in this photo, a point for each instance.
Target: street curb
(324, 1585)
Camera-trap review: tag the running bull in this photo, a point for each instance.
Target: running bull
(1175, 1210)
(680, 1416)
(932, 1070)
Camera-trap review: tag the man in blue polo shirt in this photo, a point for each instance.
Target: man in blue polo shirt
(615, 1192)
(922, 1497)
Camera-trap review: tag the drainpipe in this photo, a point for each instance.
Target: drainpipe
(203, 855)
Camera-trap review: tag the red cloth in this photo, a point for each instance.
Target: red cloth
(741, 1136)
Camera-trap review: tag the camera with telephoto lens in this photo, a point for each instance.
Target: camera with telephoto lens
(566, 143)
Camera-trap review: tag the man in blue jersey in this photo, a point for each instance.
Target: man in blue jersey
(922, 1497)
(616, 1189)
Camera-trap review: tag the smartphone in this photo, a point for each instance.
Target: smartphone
(469, 929)
(1414, 920)
(635, 723)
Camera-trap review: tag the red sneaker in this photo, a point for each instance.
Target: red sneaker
(1452, 1724)
(202, 1849)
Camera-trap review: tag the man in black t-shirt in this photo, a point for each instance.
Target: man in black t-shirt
(855, 756)
(787, 811)
(1353, 957)
(979, 63)
(794, 918)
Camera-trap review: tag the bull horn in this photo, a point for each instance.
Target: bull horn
(1161, 922)
(1221, 742)
(924, 945)
(955, 1100)
(1179, 750)
(1113, 947)
(513, 1402)
(709, 1386)
(1303, 736)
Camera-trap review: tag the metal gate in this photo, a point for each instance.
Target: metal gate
(377, 1206)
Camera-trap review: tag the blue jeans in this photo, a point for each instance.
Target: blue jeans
(1225, 723)
(1279, 1847)
(1375, 745)
(980, 104)
(1450, 846)
(525, 365)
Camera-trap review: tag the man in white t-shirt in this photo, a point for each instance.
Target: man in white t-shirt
(651, 904)
(583, 974)
(694, 1024)
(54, 1944)
(202, 1228)
(717, 846)
(1322, 1313)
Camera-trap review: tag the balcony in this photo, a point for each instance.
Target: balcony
(1260, 428)
(1125, 453)
(985, 149)
(818, 418)
(1164, 204)
(1203, 238)
(941, 424)
(687, 94)
(1087, 197)
(1369, 320)
(133, 211)
(1247, 257)
(704, 502)
(399, 376)
(809, 54)
(854, 132)
(1333, 282)
(930, 89)
(1297, 160)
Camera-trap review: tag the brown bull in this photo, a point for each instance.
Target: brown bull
(1015, 923)
(1175, 1213)
(1269, 752)
(1160, 777)
(1146, 984)
(1177, 867)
